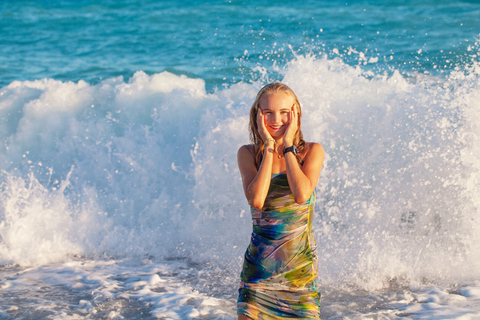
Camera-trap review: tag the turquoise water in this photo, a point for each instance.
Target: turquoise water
(223, 41)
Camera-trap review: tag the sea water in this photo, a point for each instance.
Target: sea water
(120, 196)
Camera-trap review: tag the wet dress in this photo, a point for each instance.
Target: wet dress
(279, 275)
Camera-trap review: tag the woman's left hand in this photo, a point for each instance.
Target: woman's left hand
(292, 128)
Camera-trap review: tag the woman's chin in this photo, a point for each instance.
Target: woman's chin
(277, 135)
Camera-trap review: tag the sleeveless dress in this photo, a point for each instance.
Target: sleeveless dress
(280, 269)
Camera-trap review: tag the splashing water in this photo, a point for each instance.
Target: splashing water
(149, 167)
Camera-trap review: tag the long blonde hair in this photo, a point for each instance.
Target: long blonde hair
(255, 138)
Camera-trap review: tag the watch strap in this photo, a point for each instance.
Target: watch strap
(291, 149)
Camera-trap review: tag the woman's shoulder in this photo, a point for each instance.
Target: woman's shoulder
(246, 157)
(247, 149)
(313, 155)
(313, 148)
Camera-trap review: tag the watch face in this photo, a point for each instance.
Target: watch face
(294, 150)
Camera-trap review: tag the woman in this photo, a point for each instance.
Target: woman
(279, 174)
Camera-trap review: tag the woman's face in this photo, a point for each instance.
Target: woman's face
(276, 108)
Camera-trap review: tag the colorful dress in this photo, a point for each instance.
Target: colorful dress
(279, 276)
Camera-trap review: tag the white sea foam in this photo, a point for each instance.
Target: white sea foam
(134, 289)
(108, 290)
(148, 167)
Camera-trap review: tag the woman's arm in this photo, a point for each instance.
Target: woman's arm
(255, 183)
(302, 180)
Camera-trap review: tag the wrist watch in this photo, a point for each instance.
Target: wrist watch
(291, 149)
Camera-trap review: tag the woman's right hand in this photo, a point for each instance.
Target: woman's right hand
(262, 129)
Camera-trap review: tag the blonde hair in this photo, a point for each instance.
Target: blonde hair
(255, 138)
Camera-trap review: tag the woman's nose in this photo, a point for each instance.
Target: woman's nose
(276, 117)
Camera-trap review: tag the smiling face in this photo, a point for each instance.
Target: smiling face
(276, 108)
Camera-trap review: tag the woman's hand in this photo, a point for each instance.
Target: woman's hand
(262, 129)
(292, 128)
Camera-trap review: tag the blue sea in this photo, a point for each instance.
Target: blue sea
(120, 196)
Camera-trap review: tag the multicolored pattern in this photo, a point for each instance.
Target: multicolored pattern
(279, 276)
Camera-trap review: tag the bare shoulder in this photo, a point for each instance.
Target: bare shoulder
(313, 161)
(246, 150)
(246, 154)
(246, 162)
(314, 150)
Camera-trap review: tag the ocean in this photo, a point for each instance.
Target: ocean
(120, 196)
